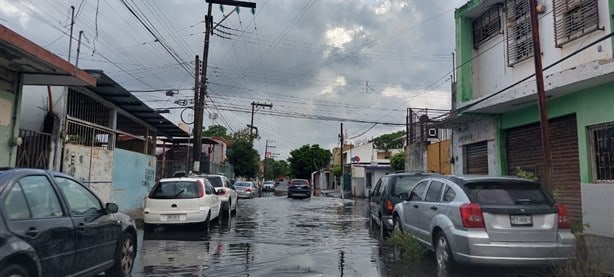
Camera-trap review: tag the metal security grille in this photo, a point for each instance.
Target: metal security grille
(519, 37)
(35, 149)
(603, 151)
(486, 26)
(574, 19)
(87, 134)
(83, 107)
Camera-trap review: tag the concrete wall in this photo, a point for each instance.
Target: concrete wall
(36, 102)
(8, 111)
(483, 130)
(92, 166)
(597, 208)
(133, 177)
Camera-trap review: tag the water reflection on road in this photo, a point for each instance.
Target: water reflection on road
(277, 236)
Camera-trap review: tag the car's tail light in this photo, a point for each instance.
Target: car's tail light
(221, 192)
(471, 215)
(201, 189)
(389, 207)
(248, 190)
(564, 222)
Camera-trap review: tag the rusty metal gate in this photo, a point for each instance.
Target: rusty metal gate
(476, 158)
(524, 151)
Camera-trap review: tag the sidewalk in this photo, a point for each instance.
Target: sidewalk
(598, 252)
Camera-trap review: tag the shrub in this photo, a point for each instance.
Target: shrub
(411, 248)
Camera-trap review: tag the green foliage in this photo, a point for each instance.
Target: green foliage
(389, 141)
(217, 131)
(397, 161)
(275, 169)
(337, 171)
(526, 174)
(307, 159)
(577, 227)
(411, 249)
(244, 158)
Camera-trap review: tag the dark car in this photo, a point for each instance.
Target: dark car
(386, 194)
(299, 188)
(52, 225)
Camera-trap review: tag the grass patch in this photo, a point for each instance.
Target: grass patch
(411, 249)
(585, 263)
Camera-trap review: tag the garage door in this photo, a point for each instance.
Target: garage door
(477, 158)
(524, 150)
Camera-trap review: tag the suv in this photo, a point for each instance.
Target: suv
(386, 194)
(225, 190)
(180, 201)
(52, 225)
(299, 188)
(486, 220)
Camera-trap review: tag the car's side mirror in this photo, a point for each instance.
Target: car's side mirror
(404, 196)
(112, 208)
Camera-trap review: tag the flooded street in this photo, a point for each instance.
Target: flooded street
(277, 236)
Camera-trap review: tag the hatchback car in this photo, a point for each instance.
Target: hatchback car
(52, 225)
(486, 220)
(183, 200)
(246, 189)
(225, 190)
(299, 188)
(386, 194)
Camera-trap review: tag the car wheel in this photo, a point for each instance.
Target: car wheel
(397, 224)
(124, 257)
(14, 270)
(384, 232)
(234, 212)
(443, 254)
(206, 225)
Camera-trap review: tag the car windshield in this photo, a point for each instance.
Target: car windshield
(175, 190)
(242, 184)
(216, 182)
(506, 193)
(405, 183)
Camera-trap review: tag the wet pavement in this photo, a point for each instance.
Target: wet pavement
(277, 236)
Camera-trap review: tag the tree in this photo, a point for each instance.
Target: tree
(244, 158)
(275, 169)
(397, 161)
(389, 141)
(217, 131)
(307, 159)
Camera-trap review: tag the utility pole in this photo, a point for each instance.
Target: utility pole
(254, 105)
(341, 140)
(72, 24)
(266, 155)
(199, 106)
(198, 128)
(541, 98)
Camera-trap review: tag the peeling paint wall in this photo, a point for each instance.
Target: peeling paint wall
(92, 166)
(133, 177)
(483, 130)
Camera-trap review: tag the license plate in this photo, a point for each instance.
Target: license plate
(521, 220)
(172, 217)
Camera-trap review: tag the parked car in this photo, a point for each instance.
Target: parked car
(268, 186)
(486, 220)
(226, 191)
(246, 189)
(182, 200)
(386, 194)
(299, 188)
(52, 225)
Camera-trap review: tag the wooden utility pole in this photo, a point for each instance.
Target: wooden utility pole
(198, 128)
(251, 126)
(200, 105)
(541, 98)
(342, 142)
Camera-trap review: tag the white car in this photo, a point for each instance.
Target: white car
(181, 201)
(226, 192)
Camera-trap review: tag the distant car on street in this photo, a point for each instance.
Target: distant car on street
(486, 220)
(226, 192)
(184, 200)
(268, 186)
(52, 225)
(246, 189)
(299, 188)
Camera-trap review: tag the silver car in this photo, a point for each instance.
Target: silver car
(486, 220)
(246, 189)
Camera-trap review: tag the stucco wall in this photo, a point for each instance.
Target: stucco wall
(133, 177)
(483, 130)
(36, 102)
(7, 152)
(91, 166)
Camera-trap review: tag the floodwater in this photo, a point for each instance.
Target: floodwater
(277, 236)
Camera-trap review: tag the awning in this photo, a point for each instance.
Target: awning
(38, 66)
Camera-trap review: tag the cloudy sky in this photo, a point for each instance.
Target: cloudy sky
(319, 62)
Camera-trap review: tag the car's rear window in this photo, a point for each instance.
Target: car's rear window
(299, 182)
(506, 193)
(216, 182)
(404, 183)
(175, 190)
(242, 184)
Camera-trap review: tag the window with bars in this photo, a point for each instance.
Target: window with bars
(603, 152)
(487, 26)
(519, 38)
(574, 19)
